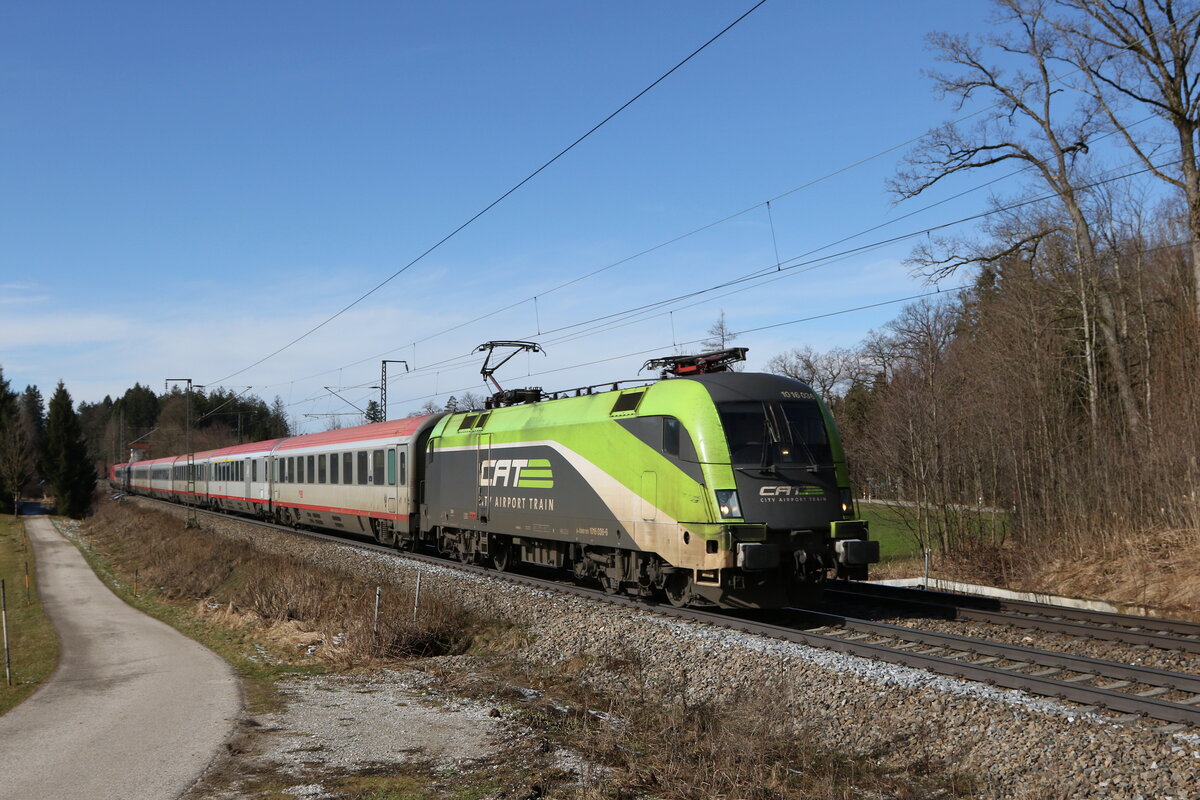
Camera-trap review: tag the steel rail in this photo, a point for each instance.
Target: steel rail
(1178, 627)
(1030, 656)
(1151, 707)
(1124, 628)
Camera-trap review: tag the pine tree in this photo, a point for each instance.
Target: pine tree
(68, 468)
(9, 409)
(33, 417)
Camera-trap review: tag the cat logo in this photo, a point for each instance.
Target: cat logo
(791, 491)
(523, 473)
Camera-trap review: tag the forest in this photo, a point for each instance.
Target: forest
(1052, 398)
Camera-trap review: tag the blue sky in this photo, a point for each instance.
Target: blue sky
(187, 187)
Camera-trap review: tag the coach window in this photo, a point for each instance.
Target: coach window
(377, 467)
(321, 473)
(347, 467)
(403, 468)
(391, 466)
(289, 471)
(254, 471)
(333, 467)
(312, 471)
(362, 467)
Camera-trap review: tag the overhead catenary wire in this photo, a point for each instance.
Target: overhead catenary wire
(766, 274)
(769, 274)
(893, 148)
(767, 203)
(660, 348)
(498, 200)
(756, 329)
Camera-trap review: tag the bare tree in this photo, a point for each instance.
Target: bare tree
(1026, 125)
(16, 463)
(831, 373)
(470, 402)
(1141, 55)
(430, 407)
(720, 336)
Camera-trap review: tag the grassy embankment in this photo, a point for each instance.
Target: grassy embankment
(31, 640)
(259, 610)
(896, 542)
(900, 554)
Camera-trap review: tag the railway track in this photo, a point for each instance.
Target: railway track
(1168, 634)
(1162, 695)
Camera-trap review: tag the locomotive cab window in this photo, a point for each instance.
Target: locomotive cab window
(790, 432)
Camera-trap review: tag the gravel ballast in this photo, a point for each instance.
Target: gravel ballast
(1016, 744)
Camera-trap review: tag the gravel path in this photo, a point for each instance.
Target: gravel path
(1019, 746)
(134, 708)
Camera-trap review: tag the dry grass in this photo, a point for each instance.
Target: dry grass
(291, 601)
(645, 740)
(642, 737)
(1160, 569)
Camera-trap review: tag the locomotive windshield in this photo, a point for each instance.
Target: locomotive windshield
(764, 434)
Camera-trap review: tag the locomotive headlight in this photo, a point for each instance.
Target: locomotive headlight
(847, 501)
(728, 504)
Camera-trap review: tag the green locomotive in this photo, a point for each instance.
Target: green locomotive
(718, 487)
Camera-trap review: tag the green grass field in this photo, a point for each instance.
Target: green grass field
(895, 539)
(33, 647)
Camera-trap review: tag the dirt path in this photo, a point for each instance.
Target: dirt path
(135, 709)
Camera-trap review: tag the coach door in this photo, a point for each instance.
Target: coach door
(246, 475)
(391, 481)
(483, 453)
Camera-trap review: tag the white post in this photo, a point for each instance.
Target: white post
(375, 624)
(417, 597)
(4, 623)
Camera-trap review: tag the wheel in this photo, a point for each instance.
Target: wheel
(609, 584)
(502, 555)
(678, 588)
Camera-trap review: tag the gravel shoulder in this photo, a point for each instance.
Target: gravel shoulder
(1017, 745)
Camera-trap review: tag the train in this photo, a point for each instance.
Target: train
(703, 487)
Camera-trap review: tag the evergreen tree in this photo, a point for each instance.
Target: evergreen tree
(33, 418)
(9, 420)
(279, 419)
(68, 468)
